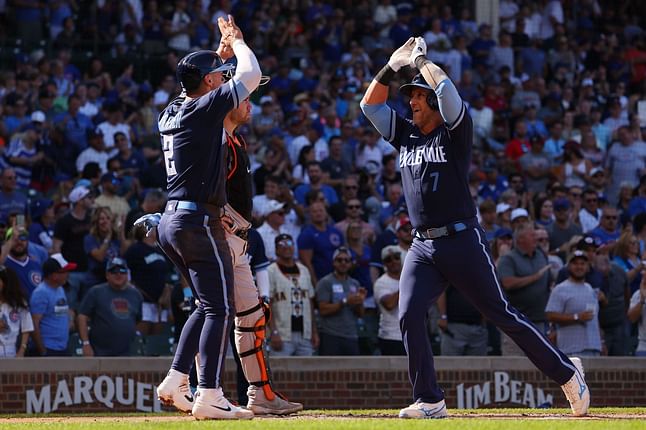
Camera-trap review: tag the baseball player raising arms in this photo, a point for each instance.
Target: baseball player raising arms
(449, 245)
(190, 231)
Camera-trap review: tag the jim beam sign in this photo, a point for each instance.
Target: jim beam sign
(502, 390)
(105, 390)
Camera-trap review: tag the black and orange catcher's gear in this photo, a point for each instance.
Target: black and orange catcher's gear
(250, 341)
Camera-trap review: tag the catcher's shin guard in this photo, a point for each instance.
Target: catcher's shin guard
(250, 339)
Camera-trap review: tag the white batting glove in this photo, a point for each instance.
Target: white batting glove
(149, 222)
(400, 57)
(418, 49)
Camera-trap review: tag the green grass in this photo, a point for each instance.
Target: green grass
(525, 419)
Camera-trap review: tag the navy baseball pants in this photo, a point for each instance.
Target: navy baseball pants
(195, 242)
(464, 261)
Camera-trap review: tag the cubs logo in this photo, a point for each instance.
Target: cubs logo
(35, 277)
(14, 315)
(335, 240)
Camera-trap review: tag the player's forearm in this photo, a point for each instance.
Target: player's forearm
(431, 72)
(247, 69)
(377, 93)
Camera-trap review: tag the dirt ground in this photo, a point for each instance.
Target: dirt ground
(164, 418)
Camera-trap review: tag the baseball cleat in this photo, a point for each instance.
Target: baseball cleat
(210, 404)
(577, 391)
(425, 410)
(259, 404)
(174, 390)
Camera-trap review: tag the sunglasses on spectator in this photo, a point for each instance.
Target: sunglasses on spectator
(118, 270)
(23, 237)
(390, 258)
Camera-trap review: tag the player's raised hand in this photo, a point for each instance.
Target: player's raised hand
(400, 57)
(419, 49)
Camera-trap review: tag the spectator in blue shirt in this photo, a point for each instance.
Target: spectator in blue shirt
(607, 232)
(11, 201)
(315, 173)
(49, 309)
(75, 124)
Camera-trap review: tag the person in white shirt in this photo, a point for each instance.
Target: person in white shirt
(386, 292)
(552, 15)
(113, 125)
(590, 214)
(95, 152)
(15, 319)
(274, 225)
(637, 314)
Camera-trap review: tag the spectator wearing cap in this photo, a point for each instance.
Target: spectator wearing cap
(15, 319)
(503, 215)
(150, 273)
(636, 315)
(536, 165)
(274, 225)
(535, 126)
(293, 323)
(41, 228)
(24, 155)
(52, 316)
(69, 235)
(340, 299)
(494, 184)
(518, 217)
(487, 212)
(315, 174)
(597, 180)
(75, 124)
(15, 255)
(96, 152)
(563, 232)
(502, 243)
(387, 297)
(590, 214)
(573, 306)
(524, 275)
(113, 309)
(624, 162)
(317, 242)
(118, 205)
(608, 231)
(11, 200)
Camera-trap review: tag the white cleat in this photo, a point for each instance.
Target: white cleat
(425, 410)
(174, 390)
(577, 391)
(259, 404)
(210, 404)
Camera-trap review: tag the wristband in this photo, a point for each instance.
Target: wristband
(344, 301)
(420, 61)
(85, 342)
(23, 345)
(385, 75)
(576, 317)
(444, 317)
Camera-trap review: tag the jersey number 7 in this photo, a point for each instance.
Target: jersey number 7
(167, 147)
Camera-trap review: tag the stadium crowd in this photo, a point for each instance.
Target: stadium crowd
(558, 102)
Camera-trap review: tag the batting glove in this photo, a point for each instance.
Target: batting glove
(400, 57)
(418, 49)
(149, 222)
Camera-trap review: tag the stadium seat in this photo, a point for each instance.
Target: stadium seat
(74, 346)
(158, 345)
(137, 346)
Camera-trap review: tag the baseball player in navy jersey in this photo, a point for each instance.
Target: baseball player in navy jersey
(450, 246)
(252, 312)
(190, 231)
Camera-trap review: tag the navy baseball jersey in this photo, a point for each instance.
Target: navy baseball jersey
(239, 179)
(194, 146)
(435, 170)
(256, 251)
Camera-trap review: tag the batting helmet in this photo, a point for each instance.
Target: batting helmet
(419, 82)
(194, 66)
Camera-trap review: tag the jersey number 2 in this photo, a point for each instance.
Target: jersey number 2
(167, 147)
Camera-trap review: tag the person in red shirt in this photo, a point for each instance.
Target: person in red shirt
(519, 145)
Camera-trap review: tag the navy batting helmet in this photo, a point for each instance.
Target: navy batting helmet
(419, 82)
(194, 66)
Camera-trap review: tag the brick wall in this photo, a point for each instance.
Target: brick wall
(337, 383)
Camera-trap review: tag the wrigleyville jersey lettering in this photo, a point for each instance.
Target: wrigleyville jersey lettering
(435, 170)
